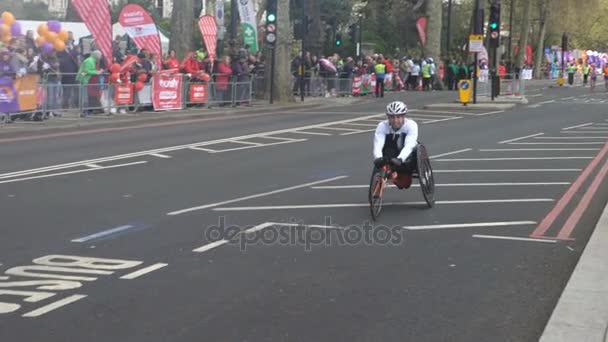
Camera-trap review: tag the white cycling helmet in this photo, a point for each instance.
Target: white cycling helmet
(396, 108)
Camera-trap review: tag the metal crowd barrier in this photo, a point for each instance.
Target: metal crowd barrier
(56, 99)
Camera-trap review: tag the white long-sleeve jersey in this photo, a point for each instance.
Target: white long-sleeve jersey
(403, 140)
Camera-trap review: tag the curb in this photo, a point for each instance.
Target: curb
(125, 120)
(496, 106)
(581, 314)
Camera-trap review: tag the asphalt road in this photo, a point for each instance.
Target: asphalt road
(193, 232)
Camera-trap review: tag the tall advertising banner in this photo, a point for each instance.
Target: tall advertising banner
(96, 17)
(167, 91)
(248, 20)
(208, 28)
(421, 26)
(141, 28)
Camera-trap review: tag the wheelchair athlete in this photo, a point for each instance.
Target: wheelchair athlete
(395, 142)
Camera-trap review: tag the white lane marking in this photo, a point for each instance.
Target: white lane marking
(558, 143)
(158, 155)
(70, 172)
(93, 166)
(546, 102)
(470, 225)
(181, 147)
(520, 138)
(258, 228)
(54, 306)
(246, 142)
(440, 120)
(583, 132)
(571, 137)
(103, 233)
(490, 113)
(512, 238)
(210, 246)
(514, 158)
(261, 145)
(357, 132)
(450, 153)
(509, 170)
(592, 128)
(568, 98)
(535, 95)
(534, 106)
(311, 133)
(339, 129)
(281, 138)
(363, 186)
(206, 206)
(196, 148)
(362, 124)
(577, 126)
(143, 271)
(536, 149)
(349, 205)
(438, 112)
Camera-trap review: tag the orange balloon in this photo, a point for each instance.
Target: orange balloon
(6, 31)
(63, 35)
(40, 41)
(59, 45)
(8, 18)
(51, 36)
(43, 29)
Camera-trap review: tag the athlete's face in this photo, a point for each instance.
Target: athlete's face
(396, 121)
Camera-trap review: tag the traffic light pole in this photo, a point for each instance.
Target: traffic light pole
(302, 67)
(272, 64)
(476, 29)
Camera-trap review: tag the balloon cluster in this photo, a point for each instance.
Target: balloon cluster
(51, 37)
(9, 27)
(125, 76)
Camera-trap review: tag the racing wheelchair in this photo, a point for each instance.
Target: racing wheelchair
(381, 176)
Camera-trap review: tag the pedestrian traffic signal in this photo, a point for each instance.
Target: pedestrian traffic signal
(494, 25)
(271, 22)
(565, 42)
(338, 39)
(354, 33)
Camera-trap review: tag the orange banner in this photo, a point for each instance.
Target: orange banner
(27, 86)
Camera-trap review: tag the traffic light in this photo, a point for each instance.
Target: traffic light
(271, 22)
(494, 25)
(354, 33)
(338, 39)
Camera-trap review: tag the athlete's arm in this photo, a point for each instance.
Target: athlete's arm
(379, 138)
(411, 140)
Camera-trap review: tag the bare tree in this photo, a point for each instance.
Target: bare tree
(433, 31)
(525, 30)
(182, 27)
(541, 38)
(314, 37)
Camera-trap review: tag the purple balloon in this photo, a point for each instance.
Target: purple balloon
(47, 47)
(16, 29)
(54, 26)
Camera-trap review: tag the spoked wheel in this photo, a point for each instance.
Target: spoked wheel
(425, 176)
(376, 191)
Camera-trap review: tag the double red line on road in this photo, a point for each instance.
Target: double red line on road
(573, 219)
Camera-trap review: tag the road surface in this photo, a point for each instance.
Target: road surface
(257, 228)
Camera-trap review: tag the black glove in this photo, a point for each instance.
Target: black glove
(396, 161)
(378, 162)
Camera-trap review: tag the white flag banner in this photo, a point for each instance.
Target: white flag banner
(250, 27)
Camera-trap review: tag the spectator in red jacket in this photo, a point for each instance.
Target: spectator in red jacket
(222, 79)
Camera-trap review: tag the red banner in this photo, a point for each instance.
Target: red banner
(123, 94)
(198, 93)
(208, 28)
(421, 26)
(141, 28)
(96, 16)
(167, 91)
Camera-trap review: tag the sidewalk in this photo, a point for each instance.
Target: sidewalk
(74, 121)
(581, 313)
